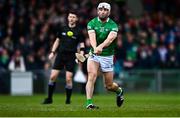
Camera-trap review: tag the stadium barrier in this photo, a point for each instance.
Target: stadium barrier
(151, 80)
(35, 82)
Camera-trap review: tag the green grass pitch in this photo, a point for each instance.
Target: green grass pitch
(139, 104)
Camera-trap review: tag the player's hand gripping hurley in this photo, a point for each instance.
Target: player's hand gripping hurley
(81, 57)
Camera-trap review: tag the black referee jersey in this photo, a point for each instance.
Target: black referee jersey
(69, 38)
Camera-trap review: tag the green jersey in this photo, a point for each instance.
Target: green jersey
(102, 31)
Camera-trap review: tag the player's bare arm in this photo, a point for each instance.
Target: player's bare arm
(54, 47)
(92, 38)
(112, 35)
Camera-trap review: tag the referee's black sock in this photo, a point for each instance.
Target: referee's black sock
(51, 88)
(68, 94)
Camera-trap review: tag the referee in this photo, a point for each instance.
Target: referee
(67, 41)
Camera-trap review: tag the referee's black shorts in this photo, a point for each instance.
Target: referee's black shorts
(65, 60)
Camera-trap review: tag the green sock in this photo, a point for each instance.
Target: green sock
(88, 101)
(119, 90)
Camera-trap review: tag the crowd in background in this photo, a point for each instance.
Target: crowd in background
(150, 41)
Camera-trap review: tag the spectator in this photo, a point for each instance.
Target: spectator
(17, 62)
(172, 56)
(162, 51)
(4, 59)
(30, 62)
(120, 55)
(30, 26)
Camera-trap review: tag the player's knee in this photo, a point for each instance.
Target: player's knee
(68, 81)
(92, 77)
(53, 77)
(69, 76)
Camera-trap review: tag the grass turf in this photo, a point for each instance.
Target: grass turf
(140, 104)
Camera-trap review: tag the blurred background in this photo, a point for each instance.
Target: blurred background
(147, 54)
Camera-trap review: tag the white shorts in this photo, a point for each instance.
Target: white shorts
(106, 62)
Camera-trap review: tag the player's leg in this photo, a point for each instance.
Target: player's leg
(92, 68)
(51, 86)
(108, 79)
(112, 86)
(68, 87)
(106, 65)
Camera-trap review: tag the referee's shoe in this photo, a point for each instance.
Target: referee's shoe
(47, 101)
(120, 98)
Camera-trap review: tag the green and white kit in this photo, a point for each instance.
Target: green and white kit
(102, 30)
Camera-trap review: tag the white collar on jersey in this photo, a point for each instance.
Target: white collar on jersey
(101, 21)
